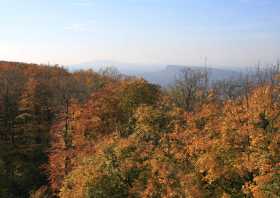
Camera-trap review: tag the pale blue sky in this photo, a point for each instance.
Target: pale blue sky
(228, 32)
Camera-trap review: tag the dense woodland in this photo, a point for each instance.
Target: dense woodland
(91, 134)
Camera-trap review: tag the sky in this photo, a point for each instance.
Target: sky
(227, 32)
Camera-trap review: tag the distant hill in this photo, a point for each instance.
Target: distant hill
(157, 74)
(169, 75)
(123, 67)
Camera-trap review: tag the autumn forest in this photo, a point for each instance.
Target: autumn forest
(88, 134)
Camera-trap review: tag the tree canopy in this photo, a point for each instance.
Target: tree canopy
(93, 135)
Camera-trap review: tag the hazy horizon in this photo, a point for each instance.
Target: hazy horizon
(159, 32)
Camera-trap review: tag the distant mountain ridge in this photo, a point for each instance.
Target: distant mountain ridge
(169, 75)
(158, 74)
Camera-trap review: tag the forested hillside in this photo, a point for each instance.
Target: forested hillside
(99, 135)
